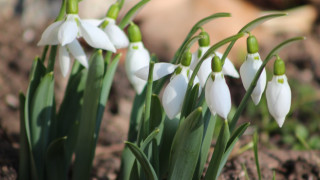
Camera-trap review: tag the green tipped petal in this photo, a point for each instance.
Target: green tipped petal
(134, 33)
(186, 59)
(205, 41)
(279, 67)
(216, 64)
(72, 7)
(252, 44)
(113, 11)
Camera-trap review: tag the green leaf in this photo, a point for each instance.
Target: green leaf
(246, 97)
(232, 141)
(41, 110)
(55, 160)
(245, 172)
(185, 148)
(195, 28)
(209, 125)
(143, 160)
(156, 112)
(151, 136)
(190, 102)
(155, 156)
(131, 14)
(127, 169)
(248, 27)
(256, 157)
(37, 72)
(24, 151)
(86, 139)
(212, 172)
(106, 86)
(169, 130)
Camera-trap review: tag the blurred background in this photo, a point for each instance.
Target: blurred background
(293, 151)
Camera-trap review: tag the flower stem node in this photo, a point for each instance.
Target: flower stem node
(72, 7)
(252, 44)
(186, 59)
(279, 67)
(134, 33)
(205, 41)
(113, 11)
(216, 64)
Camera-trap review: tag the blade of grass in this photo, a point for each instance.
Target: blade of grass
(256, 157)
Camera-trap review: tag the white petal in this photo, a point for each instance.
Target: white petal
(159, 70)
(78, 53)
(68, 30)
(208, 94)
(94, 22)
(278, 98)
(247, 72)
(197, 55)
(204, 71)
(116, 35)
(64, 60)
(95, 37)
(173, 95)
(135, 60)
(219, 99)
(50, 35)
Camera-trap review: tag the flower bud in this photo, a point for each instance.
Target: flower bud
(134, 33)
(72, 7)
(279, 67)
(205, 41)
(113, 11)
(216, 64)
(186, 59)
(252, 45)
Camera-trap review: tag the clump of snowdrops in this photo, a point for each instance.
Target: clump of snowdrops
(168, 138)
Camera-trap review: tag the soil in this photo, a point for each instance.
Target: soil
(17, 50)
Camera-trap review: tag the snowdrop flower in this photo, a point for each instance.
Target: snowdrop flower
(116, 35)
(173, 96)
(250, 67)
(278, 93)
(137, 58)
(205, 70)
(64, 33)
(217, 92)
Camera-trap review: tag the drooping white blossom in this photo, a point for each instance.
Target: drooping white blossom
(116, 35)
(205, 68)
(137, 57)
(247, 72)
(174, 92)
(278, 95)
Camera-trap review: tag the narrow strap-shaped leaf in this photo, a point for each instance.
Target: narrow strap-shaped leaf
(143, 160)
(209, 125)
(212, 172)
(86, 141)
(190, 102)
(185, 147)
(24, 151)
(151, 136)
(169, 130)
(256, 157)
(246, 97)
(55, 160)
(41, 110)
(232, 141)
(105, 91)
(131, 13)
(156, 112)
(195, 28)
(248, 27)
(155, 156)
